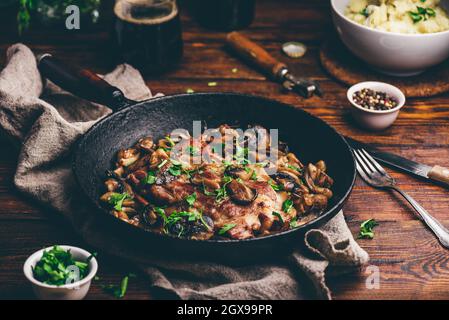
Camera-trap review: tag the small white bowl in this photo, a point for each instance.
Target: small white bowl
(73, 291)
(376, 120)
(391, 53)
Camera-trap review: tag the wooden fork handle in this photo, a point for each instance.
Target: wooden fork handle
(439, 174)
(254, 53)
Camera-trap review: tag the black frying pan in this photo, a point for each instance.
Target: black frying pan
(307, 136)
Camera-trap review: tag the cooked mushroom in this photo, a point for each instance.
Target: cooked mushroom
(128, 156)
(111, 185)
(286, 179)
(146, 144)
(157, 158)
(241, 193)
(149, 216)
(238, 172)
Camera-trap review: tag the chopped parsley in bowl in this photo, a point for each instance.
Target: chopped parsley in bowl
(58, 267)
(61, 272)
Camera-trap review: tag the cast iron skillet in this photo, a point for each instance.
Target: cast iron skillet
(307, 136)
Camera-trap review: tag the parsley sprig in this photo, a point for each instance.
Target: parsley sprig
(366, 229)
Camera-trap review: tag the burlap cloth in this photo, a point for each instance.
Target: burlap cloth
(43, 122)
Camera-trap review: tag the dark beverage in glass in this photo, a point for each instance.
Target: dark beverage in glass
(148, 34)
(225, 15)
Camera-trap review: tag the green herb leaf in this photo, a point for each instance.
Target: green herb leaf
(294, 223)
(366, 229)
(175, 170)
(193, 151)
(365, 12)
(191, 199)
(226, 228)
(161, 212)
(277, 214)
(287, 205)
(162, 164)
(116, 200)
(275, 186)
(150, 178)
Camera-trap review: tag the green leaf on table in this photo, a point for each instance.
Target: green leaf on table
(366, 229)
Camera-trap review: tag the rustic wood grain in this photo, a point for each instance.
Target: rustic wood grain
(412, 264)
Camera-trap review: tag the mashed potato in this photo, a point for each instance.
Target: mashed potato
(402, 16)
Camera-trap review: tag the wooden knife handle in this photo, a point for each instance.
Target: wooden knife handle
(440, 174)
(254, 53)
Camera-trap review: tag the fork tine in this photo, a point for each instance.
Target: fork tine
(361, 163)
(361, 172)
(365, 160)
(374, 162)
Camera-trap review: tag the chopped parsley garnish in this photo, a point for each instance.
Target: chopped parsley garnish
(116, 200)
(294, 223)
(241, 155)
(150, 178)
(162, 163)
(226, 228)
(191, 199)
(254, 175)
(287, 205)
(170, 141)
(56, 267)
(365, 12)
(294, 168)
(175, 170)
(275, 186)
(221, 193)
(421, 14)
(118, 291)
(193, 151)
(366, 229)
(278, 215)
(181, 215)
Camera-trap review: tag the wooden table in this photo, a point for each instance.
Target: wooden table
(412, 263)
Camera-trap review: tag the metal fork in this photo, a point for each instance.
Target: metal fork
(377, 177)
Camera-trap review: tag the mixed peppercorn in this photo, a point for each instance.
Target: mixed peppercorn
(374, 100)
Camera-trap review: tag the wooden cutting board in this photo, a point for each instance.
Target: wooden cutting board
(345, 67)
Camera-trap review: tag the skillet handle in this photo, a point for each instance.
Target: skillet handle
(82, 83)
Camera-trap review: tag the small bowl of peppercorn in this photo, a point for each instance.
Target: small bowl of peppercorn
(375, 105)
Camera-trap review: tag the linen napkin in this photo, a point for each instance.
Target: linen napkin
(44, 121)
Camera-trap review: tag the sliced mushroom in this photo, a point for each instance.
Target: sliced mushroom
(321, 165)
(287, 180)
(149, 216)
(128, 156)
(157, 158)
(320, 202)
(146, 144)
(111, 185)
(131, 212)
(241, 193)
(239, 172)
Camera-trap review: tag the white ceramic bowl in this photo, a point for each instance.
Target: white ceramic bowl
(376, 120)
(391, 53)
(74, 291)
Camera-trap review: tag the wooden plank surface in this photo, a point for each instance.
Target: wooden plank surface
(411, 262)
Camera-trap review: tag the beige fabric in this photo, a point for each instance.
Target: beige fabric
(43, 122)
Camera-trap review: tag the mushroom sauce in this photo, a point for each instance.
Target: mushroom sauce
(202, 193)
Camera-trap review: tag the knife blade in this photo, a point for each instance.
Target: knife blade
(432, 173)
